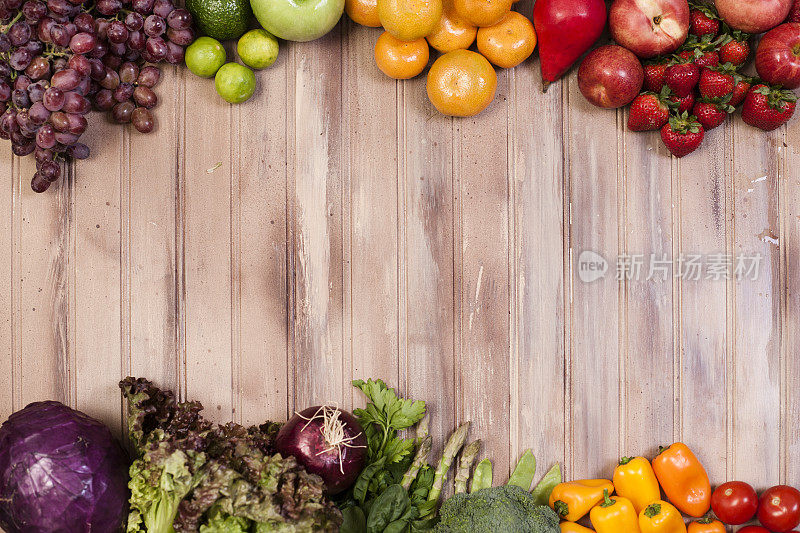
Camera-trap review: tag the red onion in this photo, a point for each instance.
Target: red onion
(328, 442)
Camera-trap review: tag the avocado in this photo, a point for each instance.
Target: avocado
(221, 19)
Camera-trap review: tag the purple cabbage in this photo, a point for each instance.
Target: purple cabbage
(60, 472)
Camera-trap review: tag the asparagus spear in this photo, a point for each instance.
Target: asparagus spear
(482, 478)
(422, 428)
(465, 465)
(454, 444)
(420, 460)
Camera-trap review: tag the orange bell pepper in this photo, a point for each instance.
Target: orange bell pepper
(572, 527)
(574, 499)
(634, 479)
(706, 525)
(684, 480)
(614, 516)
(661, 517)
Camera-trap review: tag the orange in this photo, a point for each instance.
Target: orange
(364, 12)
(509, 42)
(483, 12)
(409, 20)
(401, 60)
(452, 32)
(461, 83)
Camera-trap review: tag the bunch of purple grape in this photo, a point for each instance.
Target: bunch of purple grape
(60, 58)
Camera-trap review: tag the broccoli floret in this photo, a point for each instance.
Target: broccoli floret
(509, 509)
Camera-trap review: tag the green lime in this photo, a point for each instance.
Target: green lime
(221, 19)
(258, 49)
(235, 83)
(205, 56)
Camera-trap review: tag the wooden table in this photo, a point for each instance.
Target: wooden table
(261, 256)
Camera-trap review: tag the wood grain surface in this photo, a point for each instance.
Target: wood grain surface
(259, 257)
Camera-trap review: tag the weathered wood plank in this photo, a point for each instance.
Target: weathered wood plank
(8, 285)
(648, 360)
(46, 285)
(538, 323)
(756, 307)
(97, 220)
(594, 366)
(317, 211)
(426, 179)
(789, 205)
(482, 240)
(372, 226)
(702, 226)
(261, 242)
(210, 172)
(150, 253)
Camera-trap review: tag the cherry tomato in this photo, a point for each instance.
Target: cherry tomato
(779, 508)
(734, 502)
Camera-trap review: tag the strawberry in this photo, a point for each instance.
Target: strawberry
(654, 77)
(703, 21)
(650, 111)
(684, 104)
(740, 91)
(682, 78)
(708, 59)
(711, 114)
(682, 134)
(736, 51)
(716, 83)
(768, 108)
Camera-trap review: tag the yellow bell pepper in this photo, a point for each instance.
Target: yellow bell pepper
(635, 479)
(572, 527)
(661, 517)
(574, 499)
(614, 515)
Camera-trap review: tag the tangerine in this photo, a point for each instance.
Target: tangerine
(483, 12)
(461, 83)
(364, 12)
(409, 20)
(509, 42)
(401, 60)
(452, 32)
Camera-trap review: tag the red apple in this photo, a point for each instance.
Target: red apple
(649, 28)
(610, 76)
(794, 12)
(778, 56)
(753, 16)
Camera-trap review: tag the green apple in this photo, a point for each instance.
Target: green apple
(298, 20)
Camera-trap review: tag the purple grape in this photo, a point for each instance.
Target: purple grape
(5, 43)
(67, 138)
(180, 19)
(117, 32)
(39, 184)
(104, 100)
(36, 90)
(145, 97)
(20, 98)
(54, 99)
(21, 150)
(157, 48)
(59, 121)
(75, 103)
(66, 80)
(163, 8)
(136, 40)
(108, 8)
(134, 21)
(142, 7)
(180, 37)
(22, 83)
(85, 23)
(34, 10)
(128, 72)
(43, 154)
(19, 59)
(101, 28)
(80, 64)
(46, 137)
(98, 70)
(175, 53)
(78, 151)
(50, 170)
(149, 76)
(111, 80)
(82, 43)
(121, 113)
(59, 35)
(38, 113)
(154, 26)
(77, 124)
(38, 69)
(5, 91)
(20, 33)
(123, 92)
(142, 120)
(100, 50)
(59, 7)
(44, 29)
(117, 49)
